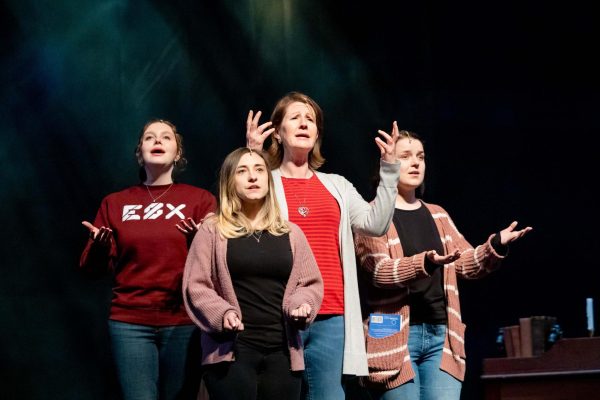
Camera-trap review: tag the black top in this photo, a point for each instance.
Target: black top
(418, 233)
(260, 270)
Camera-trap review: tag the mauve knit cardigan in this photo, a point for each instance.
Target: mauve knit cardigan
(208, 292)
(387, 268)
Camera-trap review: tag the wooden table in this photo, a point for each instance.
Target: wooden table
(570, 370)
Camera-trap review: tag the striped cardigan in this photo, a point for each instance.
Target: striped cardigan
(384, 264)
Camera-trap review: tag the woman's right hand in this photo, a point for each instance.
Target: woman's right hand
(231, 322)
(101, 235)
(256, 134)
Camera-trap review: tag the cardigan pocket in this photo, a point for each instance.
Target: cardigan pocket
(387, 355)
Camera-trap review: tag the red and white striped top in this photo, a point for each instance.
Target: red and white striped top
(321, 226)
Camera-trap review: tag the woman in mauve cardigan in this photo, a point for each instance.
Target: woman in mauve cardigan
(412, 273)
(250, 283)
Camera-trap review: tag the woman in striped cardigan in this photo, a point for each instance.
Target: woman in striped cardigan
(413, 327)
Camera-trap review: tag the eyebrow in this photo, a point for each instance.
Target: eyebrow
(255, 165)
(160, 133)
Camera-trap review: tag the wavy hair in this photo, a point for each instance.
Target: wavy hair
(231, 220)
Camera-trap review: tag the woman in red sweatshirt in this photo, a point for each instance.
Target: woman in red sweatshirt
(142, 235)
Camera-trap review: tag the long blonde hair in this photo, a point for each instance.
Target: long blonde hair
(231, 221)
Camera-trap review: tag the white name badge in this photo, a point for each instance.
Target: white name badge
(384, 325)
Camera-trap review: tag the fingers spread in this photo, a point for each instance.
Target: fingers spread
(257, 118)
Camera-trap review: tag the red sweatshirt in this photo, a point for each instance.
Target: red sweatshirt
(147, 252)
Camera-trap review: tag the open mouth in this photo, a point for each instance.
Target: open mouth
(157, 151)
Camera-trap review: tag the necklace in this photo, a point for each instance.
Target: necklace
(303, 209)
(256, 235)
(155, 199)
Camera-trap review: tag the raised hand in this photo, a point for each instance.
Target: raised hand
(509, 234)
(100, 235)
(231, 322)
(435, 258)
(188, 227)
(301, 312)
(256, 134)
(387, 146)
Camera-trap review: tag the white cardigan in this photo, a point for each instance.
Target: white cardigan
(357, 215)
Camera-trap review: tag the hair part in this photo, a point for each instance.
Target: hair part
(231, 220)
(275, 150)
(180, 161)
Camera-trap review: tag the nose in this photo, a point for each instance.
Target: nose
(252, 176)
(303, 122)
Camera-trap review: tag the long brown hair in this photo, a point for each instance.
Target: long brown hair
(275, 150)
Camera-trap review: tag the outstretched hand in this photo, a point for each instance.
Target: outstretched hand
(256, 134)
(435, 258)
(387, 146)
(188, 227)
(231, 322)
(100, 235)
(302, 312)
(509, 235)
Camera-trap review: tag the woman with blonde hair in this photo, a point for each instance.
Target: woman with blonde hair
(251, 283)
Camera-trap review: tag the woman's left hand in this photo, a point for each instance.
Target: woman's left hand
(188, 226)
(435, 258)
(301, 312)
(508, 235)
(387, 146)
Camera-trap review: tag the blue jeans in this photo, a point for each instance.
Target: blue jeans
(323, 356)
(425, 345)
(156, 362)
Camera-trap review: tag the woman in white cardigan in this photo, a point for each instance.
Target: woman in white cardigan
(328, 209)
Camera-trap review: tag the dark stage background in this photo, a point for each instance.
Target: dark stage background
(505, 95)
